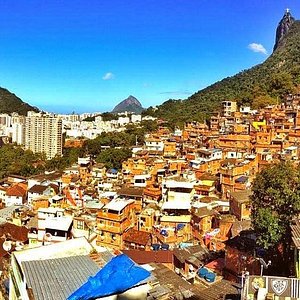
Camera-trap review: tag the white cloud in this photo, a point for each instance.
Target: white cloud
(108, 76)
(257, 48)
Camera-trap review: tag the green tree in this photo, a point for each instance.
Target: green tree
(107, 116)
(71, 154)
(281, 84)
(56, 163)
(275, 201)
(14, 160)
(113, 158)
(263, 101)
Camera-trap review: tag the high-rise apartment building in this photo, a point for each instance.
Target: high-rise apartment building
(16, 130)
(5, 119)
(43, 133)
(18, 133)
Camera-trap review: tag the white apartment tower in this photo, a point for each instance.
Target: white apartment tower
(18, 133)
(43, 133)
(5, 119)
(17, 129)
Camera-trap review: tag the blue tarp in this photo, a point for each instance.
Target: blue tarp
(117, 276)
(242, 179)
(180, 226)
(113, 171)
(164, 232)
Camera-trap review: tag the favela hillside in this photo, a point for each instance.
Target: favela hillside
(190, 199)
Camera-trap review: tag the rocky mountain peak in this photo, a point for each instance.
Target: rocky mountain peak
(130, 104)
(283, 27)
(132, 100)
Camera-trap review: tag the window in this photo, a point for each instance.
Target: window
(80, 224)
(248, 206)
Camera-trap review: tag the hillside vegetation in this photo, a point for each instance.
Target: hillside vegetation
(10, 103)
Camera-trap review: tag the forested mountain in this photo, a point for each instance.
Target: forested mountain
(263, 84)
(9, 103)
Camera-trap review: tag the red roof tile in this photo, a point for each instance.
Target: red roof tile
(137, 237)
(14, 232)
(16, 190)
(146, 257)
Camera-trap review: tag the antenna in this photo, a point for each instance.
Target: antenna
(263, 265)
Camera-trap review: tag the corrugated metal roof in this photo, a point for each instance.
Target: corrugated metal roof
(56, 279)
(7, 212)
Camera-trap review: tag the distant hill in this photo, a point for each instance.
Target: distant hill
(10, 103)
(277, 76)
(130, 104)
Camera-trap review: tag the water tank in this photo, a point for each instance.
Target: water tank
(210, 277)
(202, 272)
(155, 247)
(164, 247)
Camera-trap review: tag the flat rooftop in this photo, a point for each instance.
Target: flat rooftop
(59, 223)
(73, 247)
(118, 204)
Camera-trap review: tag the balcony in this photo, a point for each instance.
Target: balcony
(111, 216)
(233, 170)
(177, 196)
(227, 181)
(240, 186)
(108, 241)
(116, 228)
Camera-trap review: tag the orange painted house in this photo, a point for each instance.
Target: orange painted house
(202, 221)
(240, 204)
(113, 220)
(170, 149)
(240, 257)
(234, 175)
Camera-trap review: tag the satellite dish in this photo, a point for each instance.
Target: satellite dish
(7, 246)
(47, 237)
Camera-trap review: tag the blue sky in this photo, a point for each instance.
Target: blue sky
(88, 55)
